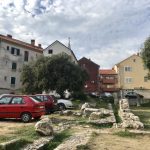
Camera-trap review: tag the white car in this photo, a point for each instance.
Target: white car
(64, 104)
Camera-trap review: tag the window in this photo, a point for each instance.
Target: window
(50, 51)
(17, 100)
(15, 51)
(5, 100)
(5, 78)
(14, 66)
(128, 69)
(13, 80)
(128, 80)
(45, 98)
(18, 52)
(26, 56)
(145, 79)
(8, 48)
(110, 86)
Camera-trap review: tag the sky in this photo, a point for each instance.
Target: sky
(106, 31)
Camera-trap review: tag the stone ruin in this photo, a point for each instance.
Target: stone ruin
(98, 116)
(129, 120)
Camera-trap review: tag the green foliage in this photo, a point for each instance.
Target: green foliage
(83, 147)
(126, 134)
(53, 73)
(146, 53)
(57, 140)
(144, 115)
(25, 135)
(79, 95)
(116, 109)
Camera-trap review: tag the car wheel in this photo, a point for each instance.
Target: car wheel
(26, 117)
(61, 106)
(37, 118)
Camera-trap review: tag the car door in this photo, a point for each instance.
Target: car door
(17, 106)
(4, 107)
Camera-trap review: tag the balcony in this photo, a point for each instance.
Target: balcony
(108, 81)
(109, 89)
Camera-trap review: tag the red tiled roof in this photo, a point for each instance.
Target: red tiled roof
(21, 43)
(107, 71)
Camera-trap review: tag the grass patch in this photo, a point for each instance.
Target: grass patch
(15, 146)
(57, 140)
(125, 134)
(82, 147)
(100, 126)
(26, 133)
(144, 116)
(115, 109)
(6, 138)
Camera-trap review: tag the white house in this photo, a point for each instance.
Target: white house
(58, 48)
(13, 55)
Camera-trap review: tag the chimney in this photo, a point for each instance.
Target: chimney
(10, 36)
(39, 45)
(33, 42)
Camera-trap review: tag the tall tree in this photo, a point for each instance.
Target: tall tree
(146, 53)
(57, 73)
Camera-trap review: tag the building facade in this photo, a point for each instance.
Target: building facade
(92, 85)
(108, 81)
(58, 48)
(132, 74)
(13, 55)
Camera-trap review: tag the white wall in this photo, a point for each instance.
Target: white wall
(6, 59)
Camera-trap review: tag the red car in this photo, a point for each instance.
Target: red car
(48, 101)
(18, 106)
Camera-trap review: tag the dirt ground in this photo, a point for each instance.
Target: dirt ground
(104, 140)
(114, 142)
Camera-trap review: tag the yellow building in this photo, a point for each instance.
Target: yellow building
(132, 74)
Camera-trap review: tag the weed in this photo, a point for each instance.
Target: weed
(115, 109)
(57, 140)
(82, 147)
(126, 134)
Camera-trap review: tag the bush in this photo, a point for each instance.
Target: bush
(79, 95)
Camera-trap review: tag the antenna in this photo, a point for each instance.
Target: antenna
(69, 45)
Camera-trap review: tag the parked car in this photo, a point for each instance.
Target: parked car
(48, 102)
(64, 104)
(19, 106)
(133, 95)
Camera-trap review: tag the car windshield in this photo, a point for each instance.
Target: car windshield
(35, 99)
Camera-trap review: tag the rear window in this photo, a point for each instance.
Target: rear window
(35, 99)
(5, 100)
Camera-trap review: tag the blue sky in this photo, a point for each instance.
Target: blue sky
(106, 31)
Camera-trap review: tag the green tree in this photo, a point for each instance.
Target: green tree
(57, 73)
(146, 53)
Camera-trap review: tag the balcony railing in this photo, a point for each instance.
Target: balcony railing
(109, 89)
(111, 81)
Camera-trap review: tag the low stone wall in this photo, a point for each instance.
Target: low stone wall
(129, 120)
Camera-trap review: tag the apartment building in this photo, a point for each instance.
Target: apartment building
(92, 85)
(132, 74)
(58, 48)
(13, 55)
(108, 80)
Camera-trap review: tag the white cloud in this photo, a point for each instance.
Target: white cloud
(105, 31)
